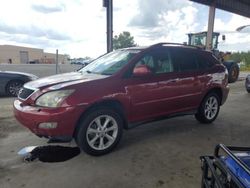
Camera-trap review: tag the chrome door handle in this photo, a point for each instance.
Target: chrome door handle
(174, 80)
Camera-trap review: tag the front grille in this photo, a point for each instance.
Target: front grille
(24, 93)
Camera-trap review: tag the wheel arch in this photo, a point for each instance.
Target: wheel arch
(207, 114)
(216, 90)
(108, 103)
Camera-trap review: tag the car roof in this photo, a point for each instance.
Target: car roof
(165, 44)
(136, 48)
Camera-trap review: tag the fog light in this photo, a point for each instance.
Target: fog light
(48, 125)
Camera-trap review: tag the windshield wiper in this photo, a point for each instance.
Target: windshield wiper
(91, 72)
(106, 73)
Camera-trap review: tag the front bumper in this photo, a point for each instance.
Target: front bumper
(65, 117)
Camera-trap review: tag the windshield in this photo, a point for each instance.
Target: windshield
(110, 63)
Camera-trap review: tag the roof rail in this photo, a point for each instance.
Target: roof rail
(180, 44)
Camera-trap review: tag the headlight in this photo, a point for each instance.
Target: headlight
(53, 98)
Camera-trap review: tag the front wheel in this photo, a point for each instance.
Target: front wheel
(209, 109)
(99, 132)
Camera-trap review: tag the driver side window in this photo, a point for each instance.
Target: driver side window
(158, 62)
(148, 61)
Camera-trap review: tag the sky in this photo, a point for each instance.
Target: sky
(78, 27)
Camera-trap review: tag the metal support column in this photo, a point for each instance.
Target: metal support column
(109, 5)
(56, 61)
(210, 28)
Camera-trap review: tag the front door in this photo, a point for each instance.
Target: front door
(153, 95)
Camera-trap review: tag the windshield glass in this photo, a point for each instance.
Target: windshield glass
(110, 63)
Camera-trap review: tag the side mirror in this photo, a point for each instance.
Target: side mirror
(141, 70)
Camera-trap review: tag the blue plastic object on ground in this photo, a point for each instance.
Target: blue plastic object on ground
(237, 170)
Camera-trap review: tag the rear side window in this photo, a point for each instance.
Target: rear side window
(185, 58)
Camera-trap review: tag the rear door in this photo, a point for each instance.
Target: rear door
(189, 79)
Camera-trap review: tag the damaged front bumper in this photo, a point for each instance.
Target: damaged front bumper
(57, 123)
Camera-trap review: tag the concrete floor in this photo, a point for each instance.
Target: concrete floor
(160, 154)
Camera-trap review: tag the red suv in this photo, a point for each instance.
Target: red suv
(122, 89)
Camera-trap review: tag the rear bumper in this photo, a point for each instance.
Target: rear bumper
(31, 117)
(225, 92)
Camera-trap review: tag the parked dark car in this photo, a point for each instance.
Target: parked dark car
(83, 62)
(247, 83)
(122, 89)
(11, 82)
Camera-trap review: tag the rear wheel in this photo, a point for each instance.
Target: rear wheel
(233, 73)
(209, 109)
(99, 132)
(13, 87)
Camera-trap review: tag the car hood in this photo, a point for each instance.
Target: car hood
(63, 80)
(20, 73)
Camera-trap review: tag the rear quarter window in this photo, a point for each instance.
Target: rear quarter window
(206, 60)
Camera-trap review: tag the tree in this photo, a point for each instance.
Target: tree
(124, 40)
(67, 56)
(241, 56)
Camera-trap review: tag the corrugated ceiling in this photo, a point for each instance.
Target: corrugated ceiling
(241, 7)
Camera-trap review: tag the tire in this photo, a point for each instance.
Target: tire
(209, 109)
(233, 73)
(13, 87)
(99, 139)
(247, 87)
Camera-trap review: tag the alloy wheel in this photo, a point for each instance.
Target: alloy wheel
(102, 132)
(14, 88)
(211, 107)
(234, 73)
